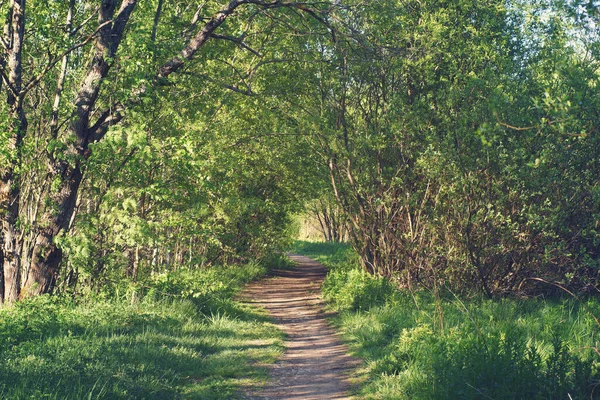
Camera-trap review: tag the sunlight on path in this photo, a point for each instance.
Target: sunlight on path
(315, 364)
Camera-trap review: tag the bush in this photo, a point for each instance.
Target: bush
(207, 288)
(338, 256)
(30, 319)
(473, 357)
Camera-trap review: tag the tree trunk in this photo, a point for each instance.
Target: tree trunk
(67, 168)
(9, 181)
(1, 273)
(156, 20)
(11, 251)
(47, 255)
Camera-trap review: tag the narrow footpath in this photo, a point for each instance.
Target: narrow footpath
(315, 364)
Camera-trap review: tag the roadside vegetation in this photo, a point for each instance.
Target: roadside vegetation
(182, 336)
(438, 345)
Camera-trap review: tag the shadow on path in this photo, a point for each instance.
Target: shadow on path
(315, 364)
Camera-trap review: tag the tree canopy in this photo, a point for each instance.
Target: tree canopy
(454, 143)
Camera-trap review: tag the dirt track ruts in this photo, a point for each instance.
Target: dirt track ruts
(315, 364)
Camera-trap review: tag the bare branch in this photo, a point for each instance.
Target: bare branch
(238, 41)
(515, 128)
(10, 87)
(34, 81)
(78, 28)
(205, 33)
(196, 42)
(187, 35)
(120, 22)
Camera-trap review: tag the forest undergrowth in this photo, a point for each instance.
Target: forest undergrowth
(180, 336)
(438, 345)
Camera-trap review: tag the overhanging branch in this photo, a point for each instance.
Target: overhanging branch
(237, 41)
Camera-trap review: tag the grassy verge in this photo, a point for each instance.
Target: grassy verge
(338, 256)
(421, 346)
(184, 338)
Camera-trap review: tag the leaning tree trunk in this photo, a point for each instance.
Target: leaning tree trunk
(66, 168)
(47, 256)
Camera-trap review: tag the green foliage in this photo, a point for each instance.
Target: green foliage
(198, 172)
(425, 346)
(30, 319)
(186, 339)
(210, 289)
(458, 138)
(346, 287)
(356, 289)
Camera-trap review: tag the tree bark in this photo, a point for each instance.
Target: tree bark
(9, 180)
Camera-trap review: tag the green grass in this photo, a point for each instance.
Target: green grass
(185, 339)
(425, 346)
(334, 255)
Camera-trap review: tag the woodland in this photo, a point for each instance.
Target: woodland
(453, 145)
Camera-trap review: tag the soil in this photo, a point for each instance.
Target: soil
(315, 364)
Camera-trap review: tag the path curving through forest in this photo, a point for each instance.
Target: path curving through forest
(315, 364)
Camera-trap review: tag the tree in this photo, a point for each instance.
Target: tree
(460, 141)
(66, 132)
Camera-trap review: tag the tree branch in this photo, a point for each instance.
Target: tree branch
(72, 32)
(108, 118)
(10, 87)
(34, 81)
(175, 63)
(217, 20)
(120, 23)
(187, 34)
(156, 20)
(238, 41)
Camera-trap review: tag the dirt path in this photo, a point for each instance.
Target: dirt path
(315, 364)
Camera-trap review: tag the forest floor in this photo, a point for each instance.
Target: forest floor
(315, 364)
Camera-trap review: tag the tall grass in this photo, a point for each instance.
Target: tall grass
(441, 346)
(184, 338)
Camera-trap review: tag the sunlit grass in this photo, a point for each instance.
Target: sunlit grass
(329, 254)
(160, 347)
(421, 346)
